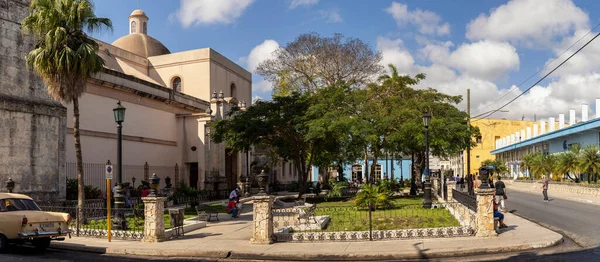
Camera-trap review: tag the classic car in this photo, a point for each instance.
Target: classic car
(22, 220)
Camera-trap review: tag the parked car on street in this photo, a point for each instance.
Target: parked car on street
(22, 221)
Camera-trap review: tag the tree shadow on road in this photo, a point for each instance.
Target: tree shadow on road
(590, 254)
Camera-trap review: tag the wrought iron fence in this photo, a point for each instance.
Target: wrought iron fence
(350, 223)
(94, 174)
(95, 222)
(465, 199)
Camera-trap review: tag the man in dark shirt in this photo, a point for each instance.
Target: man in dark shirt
(545, 187)
(500, 193)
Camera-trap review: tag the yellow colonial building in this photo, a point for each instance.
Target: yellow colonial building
(491, 130)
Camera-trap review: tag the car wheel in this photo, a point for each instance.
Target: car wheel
(41, 243)
(3, 244)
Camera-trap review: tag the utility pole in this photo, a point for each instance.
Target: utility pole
(469, 126)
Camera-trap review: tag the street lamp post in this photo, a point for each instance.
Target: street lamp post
(119, 222)
(427, 193)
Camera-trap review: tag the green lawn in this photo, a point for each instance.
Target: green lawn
(406, 214)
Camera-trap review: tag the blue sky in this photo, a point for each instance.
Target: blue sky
(487, 46)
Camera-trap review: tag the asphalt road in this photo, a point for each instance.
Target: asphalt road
(577, 220)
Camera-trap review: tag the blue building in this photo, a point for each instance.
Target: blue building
(583, 132)
(390, 168)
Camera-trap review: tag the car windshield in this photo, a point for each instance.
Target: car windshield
(17, 204)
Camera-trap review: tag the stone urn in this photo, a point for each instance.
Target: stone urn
(263, 181)
(484, 176)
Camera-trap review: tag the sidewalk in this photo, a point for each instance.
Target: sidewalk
(535, 188)
(230, 239)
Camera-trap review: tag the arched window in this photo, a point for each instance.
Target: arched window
(233, 90)
(133, 27)
(176, 85)
(145, 28)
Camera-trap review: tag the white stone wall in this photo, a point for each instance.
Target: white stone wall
(32, 129)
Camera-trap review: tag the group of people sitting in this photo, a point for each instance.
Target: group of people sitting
(234, 200)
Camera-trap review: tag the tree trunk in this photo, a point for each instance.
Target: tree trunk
(366, 175)
(413, 177)
(80, 183)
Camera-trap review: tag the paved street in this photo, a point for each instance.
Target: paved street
(578, 220)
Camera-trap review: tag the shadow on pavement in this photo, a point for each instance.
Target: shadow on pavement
(590, 254)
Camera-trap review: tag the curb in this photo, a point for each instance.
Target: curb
(305, 257)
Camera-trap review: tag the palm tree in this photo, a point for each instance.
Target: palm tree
(371, 196)
(589, 162)
(65, 57)
(551, 165)
(567, 164)
(527, 162)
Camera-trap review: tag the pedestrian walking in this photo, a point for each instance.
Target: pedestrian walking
(500, 193)
(545, 187)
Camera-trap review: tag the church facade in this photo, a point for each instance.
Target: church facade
(167, 97)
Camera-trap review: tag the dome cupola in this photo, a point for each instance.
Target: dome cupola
(138, 41)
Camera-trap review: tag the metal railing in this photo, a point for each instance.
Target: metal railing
(94, 174)
(95, 222)
(465, 199)
(350, 223)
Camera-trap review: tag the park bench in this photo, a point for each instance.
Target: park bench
(205, 213)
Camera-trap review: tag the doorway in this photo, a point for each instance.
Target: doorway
(193, 175)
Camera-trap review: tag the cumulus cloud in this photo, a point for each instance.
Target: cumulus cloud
(332, 16)
(427, 22)
(393, 52)
(260, 53)
(297, 3)
(484, 59)
(534, 23)
(445, 74)
(586, 61)
(262, 86)
(194, 12)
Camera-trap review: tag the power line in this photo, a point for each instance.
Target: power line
(542, 79)
(534, 74)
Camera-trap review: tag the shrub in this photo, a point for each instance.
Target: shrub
(293, 186)
(376, 196)
(91, 192)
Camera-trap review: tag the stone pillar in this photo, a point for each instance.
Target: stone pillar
(435, 186)
(154, 224)
(262, 216)
(485, 212)
(451, 186)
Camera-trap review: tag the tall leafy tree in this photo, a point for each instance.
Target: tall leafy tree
(65, 57)
(528, 162)
(313, 61)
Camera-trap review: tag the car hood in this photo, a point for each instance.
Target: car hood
(39, 216)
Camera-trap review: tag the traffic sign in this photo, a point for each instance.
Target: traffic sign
(109, 172)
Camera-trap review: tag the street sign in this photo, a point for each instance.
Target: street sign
(109, 172)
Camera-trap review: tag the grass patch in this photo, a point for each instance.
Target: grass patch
(407, 213)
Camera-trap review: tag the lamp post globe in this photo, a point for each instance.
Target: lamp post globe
(427, 202)
(119, 222)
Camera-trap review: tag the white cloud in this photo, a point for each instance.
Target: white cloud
(568, 91)
(428, 22)
(586, 61)
(393, 52)
(194, 12)
(485, 59)
(260, 53)
(332, 16)
(256, 98)
(533, 23)
(297, 3)
(262, 86)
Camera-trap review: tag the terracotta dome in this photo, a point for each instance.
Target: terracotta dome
(142, 45)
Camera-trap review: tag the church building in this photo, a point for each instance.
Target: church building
(170, 98)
